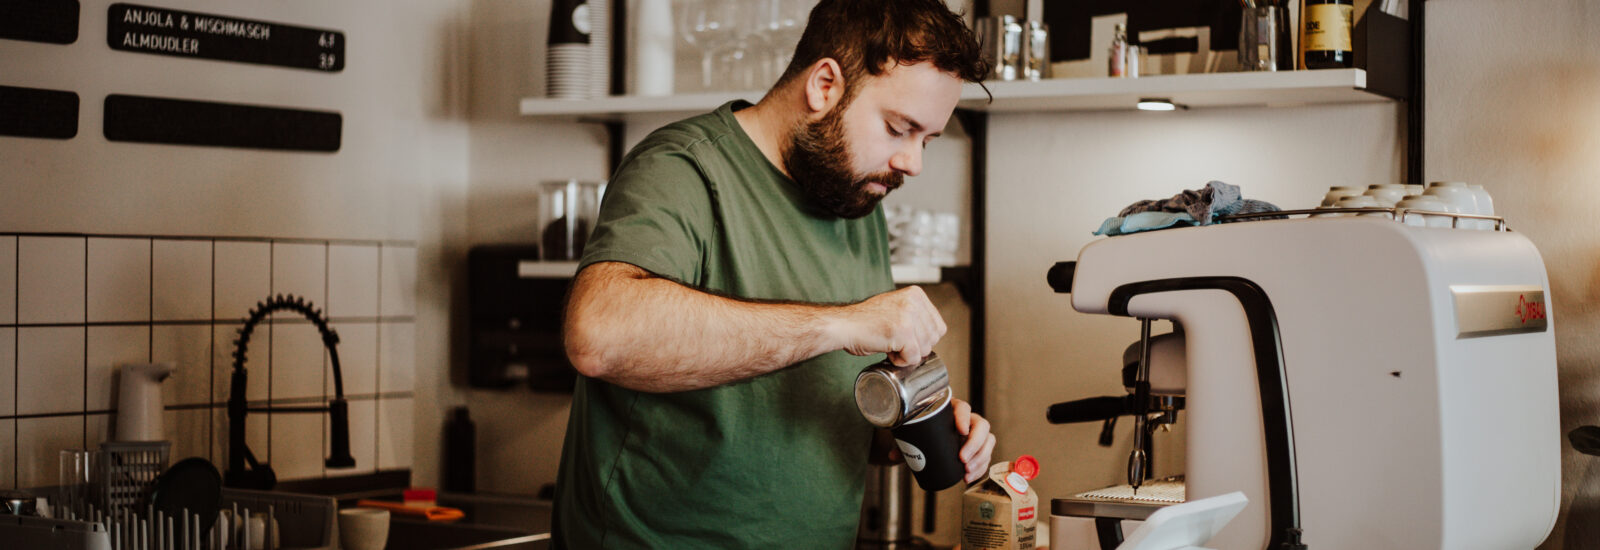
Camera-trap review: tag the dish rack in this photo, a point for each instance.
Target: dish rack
(128, 472)
(304, 522)
(1396, 213)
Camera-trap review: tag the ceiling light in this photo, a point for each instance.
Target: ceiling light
(1158, 104)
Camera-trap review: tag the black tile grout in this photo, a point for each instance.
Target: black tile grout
(150, 305)
(327, 306)
(207, 322)
(293, 401)
(377, 356)
(85, 415)
(83, 435)
(272, 281)
(16, 362)
(288, 240)
(211, 361)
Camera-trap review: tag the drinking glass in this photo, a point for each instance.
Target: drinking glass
(78, 473)
(735, 61)
(708, 26)
(781, 24)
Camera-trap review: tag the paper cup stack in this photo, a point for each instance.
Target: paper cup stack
(600, 48)
(567, 71)
(567, 61)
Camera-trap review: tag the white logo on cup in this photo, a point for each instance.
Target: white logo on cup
(914, 457)
(580, 18)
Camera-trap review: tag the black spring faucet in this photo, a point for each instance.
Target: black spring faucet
(244, 471)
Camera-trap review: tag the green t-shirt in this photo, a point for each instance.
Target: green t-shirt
(776, 461)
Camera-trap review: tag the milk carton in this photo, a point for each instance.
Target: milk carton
(1001, 512)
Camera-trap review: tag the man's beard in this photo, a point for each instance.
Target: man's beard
(818, 158)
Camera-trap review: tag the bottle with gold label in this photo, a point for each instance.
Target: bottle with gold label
(1325, 33)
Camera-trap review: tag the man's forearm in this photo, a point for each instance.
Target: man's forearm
(646, 333)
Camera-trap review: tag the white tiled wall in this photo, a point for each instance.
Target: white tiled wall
(74, 308)
(50, 280)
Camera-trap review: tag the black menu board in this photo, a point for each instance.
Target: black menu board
(188, 122)
(37, 113)
(161, 31)
(48, 21)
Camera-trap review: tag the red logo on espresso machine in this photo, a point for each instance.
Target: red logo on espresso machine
(1481, 310)
(1527, 311)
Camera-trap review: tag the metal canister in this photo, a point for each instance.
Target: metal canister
(1001, 41)
(889, 396)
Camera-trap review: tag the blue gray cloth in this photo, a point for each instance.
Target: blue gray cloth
(1192, 207)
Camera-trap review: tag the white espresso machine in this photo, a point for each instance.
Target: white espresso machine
(1367, 384)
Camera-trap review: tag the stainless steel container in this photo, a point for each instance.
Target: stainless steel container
(1001, 40)
(889, 396)
(1036, 50)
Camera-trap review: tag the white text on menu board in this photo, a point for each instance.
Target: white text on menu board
(208, 25)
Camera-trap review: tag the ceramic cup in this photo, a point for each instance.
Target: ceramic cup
(1485, 203)
(1387, 194)
(1360, 201)
(1460, 199)
(1337, 192)
(363, 528)
(1427, 203)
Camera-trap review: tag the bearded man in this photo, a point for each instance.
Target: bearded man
(736, 283)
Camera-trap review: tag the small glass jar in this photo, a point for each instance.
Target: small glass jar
(568, 211)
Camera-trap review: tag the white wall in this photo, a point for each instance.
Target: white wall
(398, 177)
(1514, 104)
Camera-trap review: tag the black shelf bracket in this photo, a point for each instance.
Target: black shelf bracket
(1415, 105)
(970, 280)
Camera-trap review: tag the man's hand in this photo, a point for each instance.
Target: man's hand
(902, 323)
(980, 443)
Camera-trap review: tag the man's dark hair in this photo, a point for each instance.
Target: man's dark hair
(863, 35)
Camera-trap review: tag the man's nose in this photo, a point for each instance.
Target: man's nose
(908, 161)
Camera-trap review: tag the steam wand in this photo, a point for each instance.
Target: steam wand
(1138, 459)
(259, 475)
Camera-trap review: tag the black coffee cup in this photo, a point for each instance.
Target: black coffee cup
(931, 446)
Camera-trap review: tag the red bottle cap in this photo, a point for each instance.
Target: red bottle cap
(418, 494)
(1025, 466)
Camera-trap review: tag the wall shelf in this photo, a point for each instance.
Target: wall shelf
(1252, 89)
(1259, 89)
(535, 269)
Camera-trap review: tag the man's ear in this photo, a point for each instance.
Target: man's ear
(824, 86)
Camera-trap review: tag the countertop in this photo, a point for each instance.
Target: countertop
(491, 521)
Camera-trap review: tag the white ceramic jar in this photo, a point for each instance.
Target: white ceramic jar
(1460, 199)
(1427, 203)
(1360, 201)
(1387, 194)
(1485, 204)
(1337, 192)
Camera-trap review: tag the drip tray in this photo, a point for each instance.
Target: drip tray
(1121, 501)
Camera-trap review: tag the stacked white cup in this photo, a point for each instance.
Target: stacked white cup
(1387, 194)
(1461, 199)
(1426, 203)
(922, 237)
